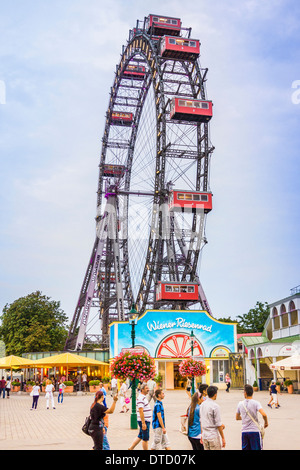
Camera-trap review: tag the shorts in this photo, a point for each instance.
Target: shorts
(144, 434)
(275, 397)
(161, 440)
(251, 441)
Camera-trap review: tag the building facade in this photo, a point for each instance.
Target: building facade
(166, 336)
(279, 339)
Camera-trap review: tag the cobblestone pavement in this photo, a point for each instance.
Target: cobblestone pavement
(60, 429)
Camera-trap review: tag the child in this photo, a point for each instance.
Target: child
(158, 423)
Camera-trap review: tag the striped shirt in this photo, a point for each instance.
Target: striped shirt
(142, 402)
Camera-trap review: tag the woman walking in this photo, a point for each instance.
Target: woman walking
(61, 388)
(228, 382)
(97, 412)
(35, 395)
(122, 394)
(49, 394)
(194, 428)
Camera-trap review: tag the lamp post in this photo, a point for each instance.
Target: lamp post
(132, 317)
(192, 340)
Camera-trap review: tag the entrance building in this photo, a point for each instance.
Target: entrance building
(166, 336)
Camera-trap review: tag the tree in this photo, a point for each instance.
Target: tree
(255, 319)
(32, 324)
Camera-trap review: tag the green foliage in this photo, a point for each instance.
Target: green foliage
(94, 382)
(158, 378)
(255, 384)
(255, 319)
(287, 383)
(69, 383)
(32, 324)
(106, 379)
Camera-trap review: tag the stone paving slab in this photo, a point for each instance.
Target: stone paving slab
(60, 429)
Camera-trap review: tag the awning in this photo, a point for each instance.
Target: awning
(289, 363)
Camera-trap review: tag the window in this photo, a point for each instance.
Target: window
(176, 289)
(172, 41)
(196, 197)
(188, 197)
(191, 289)
(180, 196)
(168, 288)
(204, 105)
(204, 197)
(181, 103)
(183, 289)
(192, 44)
(197, 104)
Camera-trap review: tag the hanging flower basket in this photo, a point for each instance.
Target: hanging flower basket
(133, 365)
(192, 368)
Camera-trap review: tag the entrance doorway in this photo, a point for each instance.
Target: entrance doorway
(179, 381)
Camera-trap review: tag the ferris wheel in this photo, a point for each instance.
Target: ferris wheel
(153, 189)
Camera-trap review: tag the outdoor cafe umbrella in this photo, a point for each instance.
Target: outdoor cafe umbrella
(15, 362)
(68, 360)
(289, 363)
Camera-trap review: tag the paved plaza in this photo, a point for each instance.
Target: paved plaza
(60, 429)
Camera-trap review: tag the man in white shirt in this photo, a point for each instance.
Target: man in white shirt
(210, 419)
(114, 386)
(151, 385)
(247, 412)
(144, 417)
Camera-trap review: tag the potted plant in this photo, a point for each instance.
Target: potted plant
(289, 385)
(44, 386)
(29, 385)
(69, 386)
(16, 386)
(158, 379)
(94, 385)
(106, 381)
(255, 386)
(135, 365)
(278, 386)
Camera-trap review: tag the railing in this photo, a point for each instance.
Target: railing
(295, 290)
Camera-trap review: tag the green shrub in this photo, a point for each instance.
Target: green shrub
(94, 382)
(69, 383)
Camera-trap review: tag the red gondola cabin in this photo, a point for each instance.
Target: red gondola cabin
(121, 119)
(114, 171)
(177, 291)
(136, 72)
(161, 25)
(179, 48)
(187, 109)
(189, 201)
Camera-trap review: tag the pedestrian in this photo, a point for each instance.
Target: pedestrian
(274, 394)
(228, 382)
(151, 385)
(104, 393)
(202, 391)
(122, 394)
(247, 412)
(84, 382)
(194, 426)
(49, 394)
(210, 419)
(61, 387)
(144, 415)
(105, 445)
(35, 395)
(97, 412)
(2, 386)
(8, 387)
(161, 439)
(188, 387)
(114, 386)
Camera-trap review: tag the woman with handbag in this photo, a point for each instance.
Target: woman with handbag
(35, 393)
(97, 413)
(194, 428)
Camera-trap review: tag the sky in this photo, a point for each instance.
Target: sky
(57, 63)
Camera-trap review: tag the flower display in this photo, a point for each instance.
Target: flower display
(192, 368)
(133, 365)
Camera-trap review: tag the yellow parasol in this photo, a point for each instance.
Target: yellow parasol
(15, 362)
(68, 360)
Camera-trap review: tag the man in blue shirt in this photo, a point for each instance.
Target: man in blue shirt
(158, 423)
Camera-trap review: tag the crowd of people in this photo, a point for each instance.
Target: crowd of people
(204, 427)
